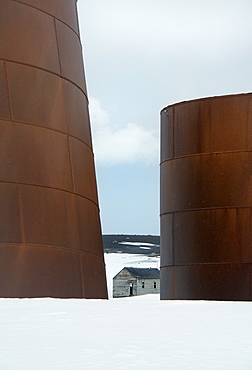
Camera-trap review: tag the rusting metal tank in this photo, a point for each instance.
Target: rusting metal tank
(50, 235)
(206, 199)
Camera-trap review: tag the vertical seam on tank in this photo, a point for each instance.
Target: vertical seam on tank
(8, 89)
(57, 43)
(77, 19)
(82, 277)
(71, 163)
(206, 113)
(173, 133)
(21, 216)
(173, 258)
(249, 268)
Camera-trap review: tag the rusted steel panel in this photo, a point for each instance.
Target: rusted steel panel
(166, 239)
(69, 45)
(206, 202)
(210, 125)
(67, 13)
(213, 236)
(37, 89)
(197, 172)
(93, 268)
(83, 166)
(50, 233)
(9, 215)
(28, 36)
(222, 282)
(167, 146)
(44, 154)
(24, 270)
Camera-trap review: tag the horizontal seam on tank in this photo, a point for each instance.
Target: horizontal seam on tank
(50, 187)
(206, 264)
(205, 154)
(43, 11)
(50, 246)
(34, 124)
(63, 248)
(48, 71)
(205, 209)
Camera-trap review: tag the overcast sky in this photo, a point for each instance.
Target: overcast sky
(140, 56)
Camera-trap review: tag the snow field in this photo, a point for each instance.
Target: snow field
(129, 333)
(139, 333)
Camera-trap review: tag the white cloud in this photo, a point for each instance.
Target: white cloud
(114, 144)
(99, 116)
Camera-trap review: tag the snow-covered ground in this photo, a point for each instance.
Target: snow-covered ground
(139, 333)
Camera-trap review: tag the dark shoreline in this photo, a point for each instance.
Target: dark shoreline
(111, 244)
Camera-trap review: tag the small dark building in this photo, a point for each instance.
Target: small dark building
(131, 281)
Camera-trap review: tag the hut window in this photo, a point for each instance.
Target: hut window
(155, 285)
(142, 284)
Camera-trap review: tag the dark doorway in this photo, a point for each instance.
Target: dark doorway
(131, 289)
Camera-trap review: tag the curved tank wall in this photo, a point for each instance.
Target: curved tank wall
(50, 235)
(206, 199)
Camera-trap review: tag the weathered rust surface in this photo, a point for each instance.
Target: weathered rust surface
(206, 199)
(50, 234)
